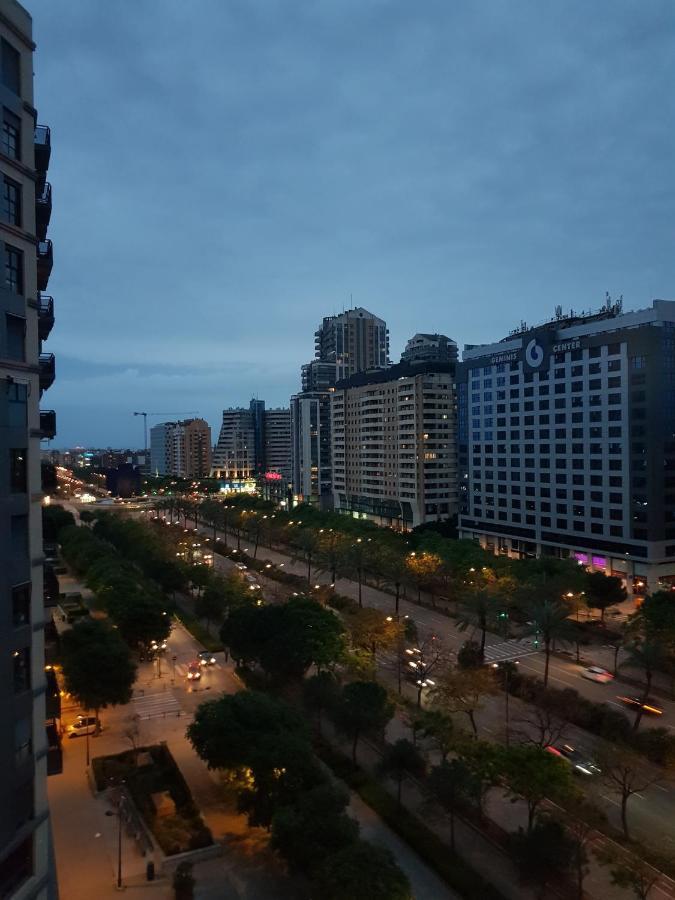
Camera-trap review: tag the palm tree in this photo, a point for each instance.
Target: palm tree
(647, 654)
(550, 622)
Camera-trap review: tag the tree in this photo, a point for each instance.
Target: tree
(543, 727)
(372, 630)
(393, 567)
(401, 759)
(582, 828)
(626, 774)
(55, 519)
(314, 827)
(362, 871)
(440, 728)
(423, 568)
(97, 667)
(355, 558)
(483, 601)
(211, 605)
(453, 784)
(544, 853)
(461, 690)
(470, 656)
(533, 775)
(330, 553)
(140, 616)
(263, 739)
(630, 872)
(550, 623)
(321, 693)
(647, 654)
(305, 546)
(364, 708)
(603, 591)
(423, 661)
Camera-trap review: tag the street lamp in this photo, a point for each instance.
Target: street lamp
(509, 667)
(118, 813)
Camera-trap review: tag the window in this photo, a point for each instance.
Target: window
(11, 67)
(21, 605)
(23, 733)
(17, 399)
(19, 536)
(16, 868)
(11, 201)
(18, 470)
(16, 337)
(11, 134)
(21, 669)
(13, 269)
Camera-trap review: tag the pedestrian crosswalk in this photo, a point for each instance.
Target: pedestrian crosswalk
(506, 650)
(156, 705)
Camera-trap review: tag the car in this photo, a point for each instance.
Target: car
(596, 673)
(194, 672)
(647, 705)
(579, 760)
(158, 646)
(206, 658)
(241, 567)
(81, 726)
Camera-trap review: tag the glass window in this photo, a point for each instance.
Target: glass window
(11, 67)
(17, 399)
(23, 732)
(18, 470)
(13, 269)
(19, 536)
(11, 134)
(16, 337)
(21, 605)
(11, 201)
(21, 669)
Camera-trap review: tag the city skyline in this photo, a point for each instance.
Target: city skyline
(451, 170)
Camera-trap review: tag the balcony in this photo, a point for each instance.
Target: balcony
(47, 367)
(43, 208)
(42, 143)
(47, 424)
(45, 317)
(45, 261)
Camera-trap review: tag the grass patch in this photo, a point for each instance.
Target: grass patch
(177, 828)
(436, 853)
(199, 632)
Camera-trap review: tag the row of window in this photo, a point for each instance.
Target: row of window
(560, 524)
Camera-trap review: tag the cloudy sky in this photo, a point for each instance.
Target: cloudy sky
(227, 172)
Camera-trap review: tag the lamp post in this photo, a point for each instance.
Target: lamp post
(118, 813)
(509, 666)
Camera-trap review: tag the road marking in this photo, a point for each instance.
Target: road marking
(610, 799)
(151, 706)
(659, 787)
(506, 650)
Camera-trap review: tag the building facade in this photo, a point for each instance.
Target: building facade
(277, 443)
(310, 449)
(567, 442)
(318, 375)
(430, 348)
(393, 445)
(29, 744)
(355, 341)
(234, 454)
(181, 448)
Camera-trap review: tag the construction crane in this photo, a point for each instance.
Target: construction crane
(145, 421)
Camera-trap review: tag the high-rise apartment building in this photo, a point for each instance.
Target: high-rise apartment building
(355, 341)
(181, 448)
(430, 348)
(318, 375)
(310, 449)
(29, 744)
(567, 442)
(252, 443)
(393, 445)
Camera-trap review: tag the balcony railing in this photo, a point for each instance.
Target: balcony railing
(47, 424)
(47, 366)
(43, 147)
(45, 261)
(43, 209)
(45, 317)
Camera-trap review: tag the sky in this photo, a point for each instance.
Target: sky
(228, 172)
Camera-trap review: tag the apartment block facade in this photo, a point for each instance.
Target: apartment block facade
(567, 442)
(355, 341)
(181, 448)
(311, 450)
(29, 742)
(393, 445)
(252, 443)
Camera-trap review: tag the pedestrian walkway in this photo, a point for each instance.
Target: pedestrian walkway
(507, 650)
(155, 706)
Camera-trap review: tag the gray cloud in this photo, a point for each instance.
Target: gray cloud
(225, 174)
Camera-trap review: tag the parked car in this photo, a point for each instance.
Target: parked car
(647, 705)
(596, 673)
(206, 658)
(81, 726)
(194, 672)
